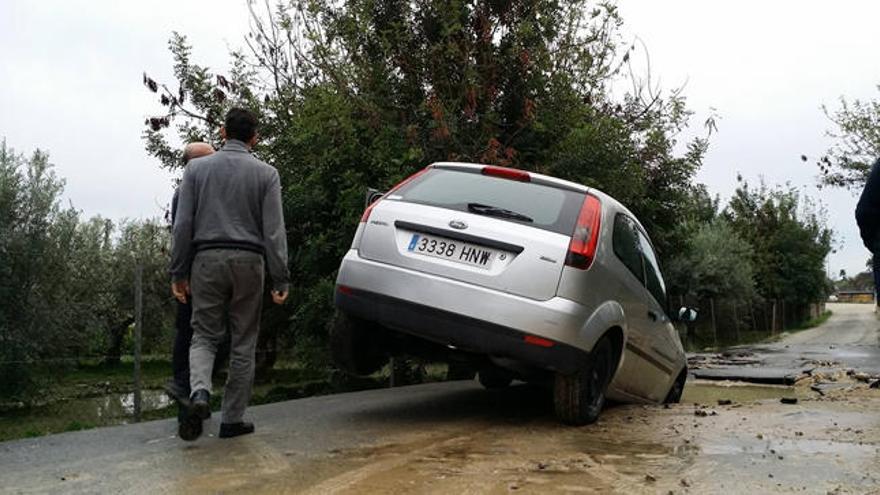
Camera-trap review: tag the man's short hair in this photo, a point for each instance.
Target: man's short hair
(241, 124)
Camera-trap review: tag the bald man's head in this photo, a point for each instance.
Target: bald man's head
(196, 150)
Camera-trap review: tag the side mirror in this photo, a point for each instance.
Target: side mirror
(687, 315)
(372, 196)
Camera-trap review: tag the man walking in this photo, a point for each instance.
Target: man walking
(868, 218)
(178, 387)
(229, 218)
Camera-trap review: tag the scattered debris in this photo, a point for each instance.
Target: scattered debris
(704, 413)
(724, 402)
(861, 376)
(789, 400)
(650, 478)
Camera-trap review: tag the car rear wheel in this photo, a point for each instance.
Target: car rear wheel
(355, 345)
(492, 377)
(460, 371)
(578, 398)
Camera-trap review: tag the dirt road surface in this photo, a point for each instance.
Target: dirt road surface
(458, 438)
(850, 324)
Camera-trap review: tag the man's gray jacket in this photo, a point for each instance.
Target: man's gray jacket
(230, 200)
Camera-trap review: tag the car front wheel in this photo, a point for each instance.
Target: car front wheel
(492, 378)
(578, 398)
(675, 393)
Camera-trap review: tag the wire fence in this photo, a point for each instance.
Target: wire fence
(727, 322)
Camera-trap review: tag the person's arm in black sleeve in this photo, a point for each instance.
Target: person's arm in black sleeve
(868, 208)
(182, 228)
(275, 235)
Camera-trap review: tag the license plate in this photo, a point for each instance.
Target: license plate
(452, 250)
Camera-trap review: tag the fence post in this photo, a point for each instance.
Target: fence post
(735, 323)
(138, 330)
(392, 365)
(714, 328)
(773, 324)
(782, 328)
(752, 315)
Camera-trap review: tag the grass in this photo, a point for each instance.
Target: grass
(815, 322)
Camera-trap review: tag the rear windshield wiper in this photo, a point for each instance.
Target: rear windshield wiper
(495, 211)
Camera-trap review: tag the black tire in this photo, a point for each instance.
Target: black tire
(580, 397)
(356, 346)
(460, 371)
(677, 389)
(494, 378)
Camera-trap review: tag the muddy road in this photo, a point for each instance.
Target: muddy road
(455, 437)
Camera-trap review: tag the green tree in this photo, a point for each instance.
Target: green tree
(789, 242)
(66, 284)
(856, 146)
(365, 92)
(36, 237)
(717, 264)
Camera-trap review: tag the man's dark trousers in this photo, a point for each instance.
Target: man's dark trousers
(226, 280)
(180, 358)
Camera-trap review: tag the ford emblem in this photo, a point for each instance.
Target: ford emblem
(458, 224)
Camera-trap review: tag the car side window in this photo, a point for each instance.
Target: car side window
(654, 282)
(625, 240)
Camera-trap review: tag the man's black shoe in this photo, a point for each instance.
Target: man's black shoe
(201, 404)
(189, 427)
(229, 430)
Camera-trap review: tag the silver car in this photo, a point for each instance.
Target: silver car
(516, 275)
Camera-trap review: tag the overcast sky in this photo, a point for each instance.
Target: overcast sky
(70, 83)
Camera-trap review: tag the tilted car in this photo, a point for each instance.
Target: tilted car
(517, 275)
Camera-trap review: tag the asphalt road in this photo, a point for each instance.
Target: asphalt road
(850, 324)
(456, 437)
(849, 340)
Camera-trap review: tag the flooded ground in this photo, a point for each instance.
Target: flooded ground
(79, 413)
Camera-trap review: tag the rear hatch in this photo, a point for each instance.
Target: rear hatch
(499, 231)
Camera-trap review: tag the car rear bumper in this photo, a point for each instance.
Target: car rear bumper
(464, 316)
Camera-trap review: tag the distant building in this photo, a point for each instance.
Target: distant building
(856, 296)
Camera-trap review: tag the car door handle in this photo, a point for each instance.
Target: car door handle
(653, 316)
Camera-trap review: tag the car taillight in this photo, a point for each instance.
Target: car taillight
(585, 239)
(400, 184)
(538, 341)
(507, 173)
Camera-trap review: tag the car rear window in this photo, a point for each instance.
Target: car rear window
(549, 208)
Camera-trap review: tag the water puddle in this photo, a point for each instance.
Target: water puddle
(709, 392)
(78, 414)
